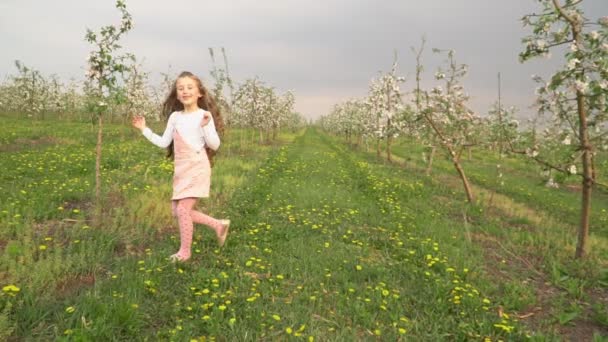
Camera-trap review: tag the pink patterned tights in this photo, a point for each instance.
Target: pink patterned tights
(186, 216)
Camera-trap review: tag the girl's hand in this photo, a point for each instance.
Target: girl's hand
(139, 122)
(205, 120)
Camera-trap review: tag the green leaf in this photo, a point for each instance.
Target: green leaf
(566, 317)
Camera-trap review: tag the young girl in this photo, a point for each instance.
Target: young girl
(192, 139)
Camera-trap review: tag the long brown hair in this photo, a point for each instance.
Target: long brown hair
(205, 102)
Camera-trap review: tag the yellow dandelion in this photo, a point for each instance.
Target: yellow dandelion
(11, 288)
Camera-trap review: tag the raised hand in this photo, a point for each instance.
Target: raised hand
(139, 122)
(205, 120)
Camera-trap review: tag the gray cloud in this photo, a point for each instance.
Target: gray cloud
(324, 51)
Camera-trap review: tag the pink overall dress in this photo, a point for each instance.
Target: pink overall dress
(192, 176)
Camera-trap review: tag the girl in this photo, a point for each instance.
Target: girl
(192, 139)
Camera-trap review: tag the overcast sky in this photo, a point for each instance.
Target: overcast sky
(325, 51)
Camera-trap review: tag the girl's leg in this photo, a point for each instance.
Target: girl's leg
(200, 218)
(183, 208)
(219, 226)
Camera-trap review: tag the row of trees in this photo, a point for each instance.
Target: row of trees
(128, 91)
(30, 93)
(437, 117)
(116, 86)
(34, 95)
(253, 104)
(572, 106)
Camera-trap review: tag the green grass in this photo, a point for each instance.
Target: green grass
(327, 243)
(522, 182)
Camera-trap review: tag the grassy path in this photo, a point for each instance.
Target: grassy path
(324, 246)
(322, 249)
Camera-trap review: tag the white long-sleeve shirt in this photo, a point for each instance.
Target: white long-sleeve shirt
(189, 127)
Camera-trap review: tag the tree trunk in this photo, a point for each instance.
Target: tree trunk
(98, 163)
(465, 181)
(585, 144)
(583, 231)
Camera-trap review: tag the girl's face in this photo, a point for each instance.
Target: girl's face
(188, 92)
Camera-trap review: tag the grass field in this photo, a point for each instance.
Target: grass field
(327, 243)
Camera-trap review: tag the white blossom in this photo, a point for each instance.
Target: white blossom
(595, 35)
(581, 86)
(437, 90)
(551, 183)
(572, 169)
(567, 140)
(541, 44)
(531, 152)
(573, 63)
(573, 46)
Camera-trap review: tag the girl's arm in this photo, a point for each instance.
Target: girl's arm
(212, 139)
(157, 140)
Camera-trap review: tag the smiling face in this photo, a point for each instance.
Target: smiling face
(188, 91)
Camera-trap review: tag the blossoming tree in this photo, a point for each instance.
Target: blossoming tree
(258, 106)
(385, 102)
(451, 121)
(576, 95)
(104, 67)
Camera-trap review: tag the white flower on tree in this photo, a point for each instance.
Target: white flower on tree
(575, 99)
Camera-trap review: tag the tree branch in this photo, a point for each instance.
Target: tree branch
(563, 13)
